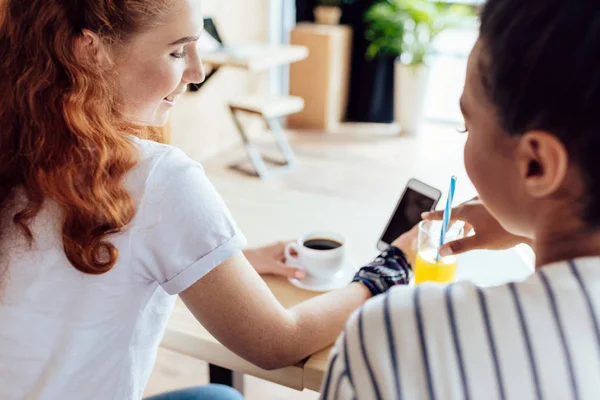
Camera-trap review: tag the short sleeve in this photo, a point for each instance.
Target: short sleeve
(183, 228)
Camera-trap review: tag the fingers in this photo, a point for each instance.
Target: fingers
(468, 229)
(439, 215)
(280, 269)
(277, 249)
(294, 253)
(460, 246)
(458, 213)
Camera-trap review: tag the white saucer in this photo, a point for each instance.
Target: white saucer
(341, 279)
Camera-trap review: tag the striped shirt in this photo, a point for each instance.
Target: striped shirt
(535, 339)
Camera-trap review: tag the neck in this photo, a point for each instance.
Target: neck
(562, 244)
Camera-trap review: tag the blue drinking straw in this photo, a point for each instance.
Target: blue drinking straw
(447, 215)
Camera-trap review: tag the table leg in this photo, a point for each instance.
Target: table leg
(226, 377)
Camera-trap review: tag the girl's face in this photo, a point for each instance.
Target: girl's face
(492, 156)
(155, 67)
(526, 181)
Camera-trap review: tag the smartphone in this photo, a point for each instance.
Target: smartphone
(417, 198)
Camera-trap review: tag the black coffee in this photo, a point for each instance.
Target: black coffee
(322, 244)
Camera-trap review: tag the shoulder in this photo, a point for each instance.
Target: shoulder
(159, 164)
(414, 306)
(405, 299)
(159, 160)
(178, 208)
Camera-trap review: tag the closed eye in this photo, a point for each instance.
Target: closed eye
(180, 54)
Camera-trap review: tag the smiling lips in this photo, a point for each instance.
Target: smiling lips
(173, 97)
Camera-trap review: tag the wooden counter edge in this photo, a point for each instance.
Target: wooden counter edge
(211, 351)
(315, 368)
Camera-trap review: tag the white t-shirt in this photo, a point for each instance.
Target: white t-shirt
(535, 339)
(67, 335)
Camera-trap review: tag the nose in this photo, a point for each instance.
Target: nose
(194, 72)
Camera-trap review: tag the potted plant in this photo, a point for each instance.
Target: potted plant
(329, 12)
(407, 29)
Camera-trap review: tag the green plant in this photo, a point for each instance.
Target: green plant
(407, 28)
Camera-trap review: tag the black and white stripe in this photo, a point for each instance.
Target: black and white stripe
(536, 339)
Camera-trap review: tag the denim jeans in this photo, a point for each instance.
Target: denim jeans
(209, 392)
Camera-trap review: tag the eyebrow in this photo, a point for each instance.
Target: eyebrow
(185, 40)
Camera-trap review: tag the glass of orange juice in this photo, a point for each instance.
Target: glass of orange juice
(428, 267)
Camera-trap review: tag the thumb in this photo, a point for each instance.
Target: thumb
(460, 246)
(288, 272)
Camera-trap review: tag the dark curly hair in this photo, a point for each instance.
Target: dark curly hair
(542, 72)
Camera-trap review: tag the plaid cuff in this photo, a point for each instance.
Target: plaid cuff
(389, 269)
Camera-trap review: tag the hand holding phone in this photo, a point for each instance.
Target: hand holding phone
(416, 199)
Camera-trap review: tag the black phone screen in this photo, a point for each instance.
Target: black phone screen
(407, 215)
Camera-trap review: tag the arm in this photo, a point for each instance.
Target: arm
(235, 305)
(187, 241)
(250, 321)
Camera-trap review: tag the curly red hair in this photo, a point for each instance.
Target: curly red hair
(61, 136)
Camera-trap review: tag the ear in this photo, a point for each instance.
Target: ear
(544, 163)
(89, 47)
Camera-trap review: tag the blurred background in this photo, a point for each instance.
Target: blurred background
(357, 50)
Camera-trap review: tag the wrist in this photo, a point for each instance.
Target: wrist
(362, 290)
(389, 269)
(406, 247)
(401, 244)
(398, 252)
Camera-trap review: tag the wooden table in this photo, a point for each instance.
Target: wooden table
(186, 336)
(336, 179)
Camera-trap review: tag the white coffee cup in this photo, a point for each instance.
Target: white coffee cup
(320, 254)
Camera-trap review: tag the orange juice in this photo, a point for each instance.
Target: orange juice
(427, 269)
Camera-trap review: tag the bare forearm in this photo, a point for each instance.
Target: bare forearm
(315, 323)
(251, 322)
(320, 320)
(303, 329)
